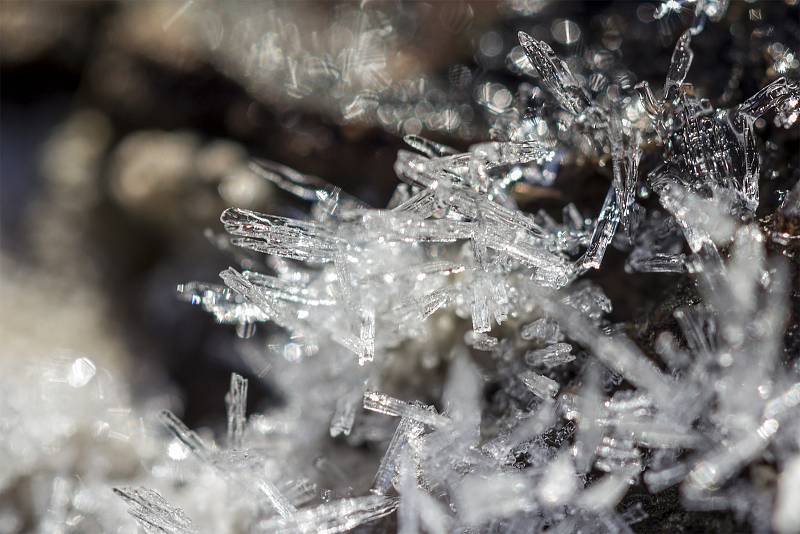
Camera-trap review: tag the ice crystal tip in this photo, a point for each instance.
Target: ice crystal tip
(681, 60)
(555, 75)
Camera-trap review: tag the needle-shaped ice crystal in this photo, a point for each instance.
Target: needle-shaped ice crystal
(387, 405)
(236, 403)
(154, 513)
(187, 436)
(430, 148)
(289, 238)
(555, 75)
(406, 428)
(679, 66)
(333, 517)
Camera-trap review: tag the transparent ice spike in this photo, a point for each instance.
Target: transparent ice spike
(154, 513)
(555, 75)
(236, 402)
(378, 402)
(389, 463)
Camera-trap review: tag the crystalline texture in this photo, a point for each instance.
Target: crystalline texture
(333, 517)
(679, 65)
(555, 74)
(289, 238)
(153, 512)
(446, 281)
(345, 413)
(552, 355)
(188, 437)
(378, 402)
(542, 330)
(236, 401)
(540, 385)
(389, 463)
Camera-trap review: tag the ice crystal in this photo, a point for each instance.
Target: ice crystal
(153, 512)
(454, 240)
(447, 359)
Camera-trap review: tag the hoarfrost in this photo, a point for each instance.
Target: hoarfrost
(453, 279)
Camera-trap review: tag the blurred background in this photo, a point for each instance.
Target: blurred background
(126, 128)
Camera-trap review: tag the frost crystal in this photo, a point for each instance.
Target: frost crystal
(455, 359)
(574, 394)
(153, 512)
(237, 407)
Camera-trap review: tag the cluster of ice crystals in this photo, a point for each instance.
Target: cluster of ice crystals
(574, 396)
(443, 361)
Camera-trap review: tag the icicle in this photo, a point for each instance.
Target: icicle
(768, 98)
(660, 263)
(276, 499)
(288, 238)
(488, 156)
(303, 186)
(481, 316)
(367, 336)
(588, 410)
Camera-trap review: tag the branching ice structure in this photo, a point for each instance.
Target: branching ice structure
(453, 238)
(451, 335)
